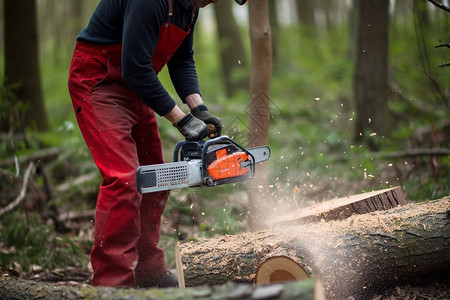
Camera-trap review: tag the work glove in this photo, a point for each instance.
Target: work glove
(192, 128)
(214, 125)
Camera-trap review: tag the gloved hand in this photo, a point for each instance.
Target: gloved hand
(201, 112)
(192, 128)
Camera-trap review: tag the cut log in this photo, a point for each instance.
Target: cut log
(342, 208)
(12, 287)
(353, 257)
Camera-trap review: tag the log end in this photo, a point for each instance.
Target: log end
(279, 269)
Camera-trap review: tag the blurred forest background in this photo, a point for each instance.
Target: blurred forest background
(359, 100)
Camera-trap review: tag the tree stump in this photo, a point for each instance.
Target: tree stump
(353, 257)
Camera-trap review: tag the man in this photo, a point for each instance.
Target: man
(115, 91)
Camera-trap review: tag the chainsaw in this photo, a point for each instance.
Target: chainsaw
(214, 162)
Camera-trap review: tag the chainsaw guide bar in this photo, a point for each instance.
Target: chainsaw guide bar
(217, 161)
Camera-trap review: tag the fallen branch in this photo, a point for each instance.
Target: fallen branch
(31, 169)
(69, 216)
(77, 181)
(38, 156)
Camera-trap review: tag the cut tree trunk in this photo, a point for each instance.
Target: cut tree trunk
(12, 287)
(356, 257)
(342, 208)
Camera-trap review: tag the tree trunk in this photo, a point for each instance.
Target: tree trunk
(14, 288)
(371, 74)
(232, 54)
(275, 29)
(259, 108)
(22, 61)
(353, 257)
(306, 16)
(342, 208)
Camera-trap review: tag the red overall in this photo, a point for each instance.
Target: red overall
(121, 133)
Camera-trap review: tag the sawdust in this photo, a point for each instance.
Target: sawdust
(323, 242)
(317, 237)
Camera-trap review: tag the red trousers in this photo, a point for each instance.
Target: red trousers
(121, 133)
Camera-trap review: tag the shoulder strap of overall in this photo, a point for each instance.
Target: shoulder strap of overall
(169, 18)
(194, 11)
(170, 11)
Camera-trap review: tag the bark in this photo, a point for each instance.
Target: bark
(259, 108)
(354, 257)
(14, 288)
(275, 29)
(261, 73)
(342, 208)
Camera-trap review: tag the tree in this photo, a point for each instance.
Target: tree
(275, 28)
(305, 12)
(259, 109)
(231, 50)
(22, 61)
(371, 73)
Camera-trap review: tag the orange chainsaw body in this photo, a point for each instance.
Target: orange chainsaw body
(227, 165)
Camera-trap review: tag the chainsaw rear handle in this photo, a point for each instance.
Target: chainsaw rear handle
(187, 151)
(224, 140)
(191, 150)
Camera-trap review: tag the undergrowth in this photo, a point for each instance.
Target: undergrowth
(27, 245)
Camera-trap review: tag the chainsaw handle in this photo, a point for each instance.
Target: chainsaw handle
(176, 151)
(221, 140)
(185, 150)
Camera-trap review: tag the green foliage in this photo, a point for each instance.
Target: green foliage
(25, 242)
(11, 109)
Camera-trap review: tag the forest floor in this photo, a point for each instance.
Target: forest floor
(436, 286)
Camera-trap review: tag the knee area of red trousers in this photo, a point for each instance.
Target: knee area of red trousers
(120, 181)
(155, 202)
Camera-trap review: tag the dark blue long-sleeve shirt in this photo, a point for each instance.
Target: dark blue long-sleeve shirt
(136, 24)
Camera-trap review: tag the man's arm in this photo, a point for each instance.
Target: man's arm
(142, 22)
(176, 113)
